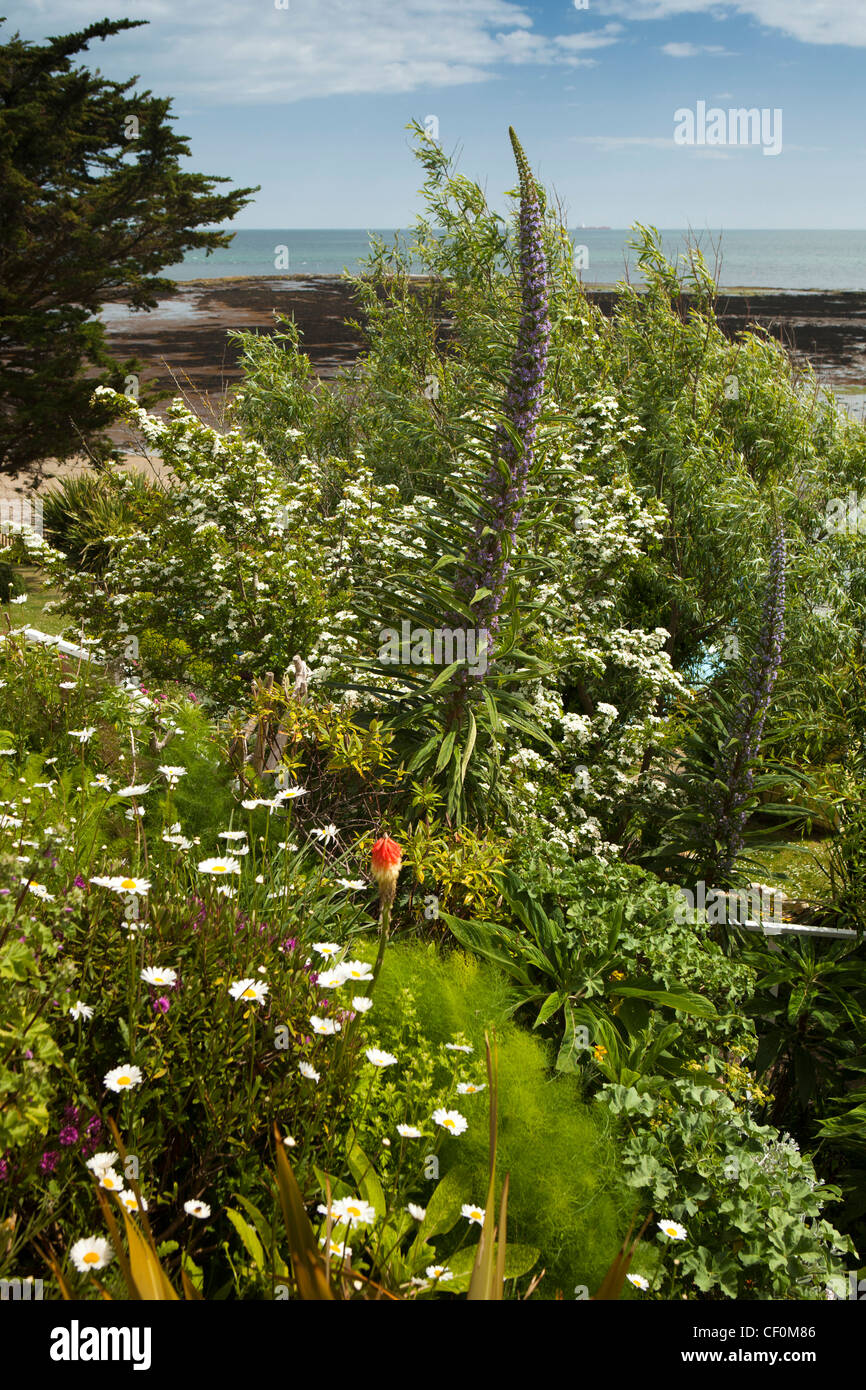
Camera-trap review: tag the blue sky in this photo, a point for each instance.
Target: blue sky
(311, 101)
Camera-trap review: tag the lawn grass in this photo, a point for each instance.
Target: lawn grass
(794, 869)
(32, 613)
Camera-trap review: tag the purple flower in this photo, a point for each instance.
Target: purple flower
(5, 1169)
(94, 1125)
(80, 882)
(487, 564)
(68, 1135)
(48, 1161)
(161, 1005)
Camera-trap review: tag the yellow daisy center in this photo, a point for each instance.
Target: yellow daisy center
(91, 1258)
(248, 994)
(449, 1124)
(128, 883)
(219, 868)
(124, 1080)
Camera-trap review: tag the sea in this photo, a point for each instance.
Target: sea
(785, 260)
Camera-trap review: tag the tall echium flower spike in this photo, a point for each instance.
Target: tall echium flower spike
(487, 563)
(736, 768)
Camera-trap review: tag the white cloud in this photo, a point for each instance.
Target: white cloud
(691, 50)
(810, 21)
(247, 51)
(597, 38)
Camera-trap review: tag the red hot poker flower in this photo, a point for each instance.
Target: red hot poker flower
(385, 856)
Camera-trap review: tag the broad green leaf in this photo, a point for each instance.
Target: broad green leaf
(248, 1236)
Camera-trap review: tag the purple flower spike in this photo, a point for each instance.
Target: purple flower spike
(487, 564)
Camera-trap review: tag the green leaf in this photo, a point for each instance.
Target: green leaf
(249, 1238)
(446, 749)
(685, 1000)
(519, 1259)
(470, 744)
(366, 1177)
(552, 1004)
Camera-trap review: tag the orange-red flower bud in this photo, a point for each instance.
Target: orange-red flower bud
(385, 856)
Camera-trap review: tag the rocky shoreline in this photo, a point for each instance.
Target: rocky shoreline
(184, 343)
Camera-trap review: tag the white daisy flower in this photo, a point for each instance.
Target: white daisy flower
(672, 1229)
(231, 834)
(638, 1281)
(354, 1210)
(327, 948)
(331, 979)
(118, 884)
(101, 780)
(219, 866)
(67, 685)
(380, 1058)
(38, 890)
(81, 1010)
(289, 1142)
(439, 1273)
(473, 1214)
(122, 1078)
(338, 1250)
(356, 970)
(409, 1131)
(325, 1027)
(158, 975)
(249, 990)
(325, 836)
(110, 1180)
(131, 1202)
(361, 1003)
(416, 1212)
(459, 1047)
(196, 1208)
(83, 735)
(100, 1162)
(289, 793)
(91, 1252)
(354, 883)
(172, 774)
(452, 1120)
(469, 1088)
(309, 1072)
(133, 791)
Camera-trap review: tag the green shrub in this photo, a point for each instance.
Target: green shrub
(566, 1196)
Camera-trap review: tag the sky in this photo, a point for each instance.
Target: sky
(311, 98)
